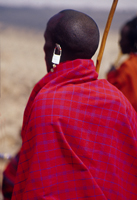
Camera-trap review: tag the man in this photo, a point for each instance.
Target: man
(125, 77)
(79, 133)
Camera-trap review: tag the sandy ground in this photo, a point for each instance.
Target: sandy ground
(22, 65)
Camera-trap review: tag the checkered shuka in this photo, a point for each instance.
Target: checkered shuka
(79, 139)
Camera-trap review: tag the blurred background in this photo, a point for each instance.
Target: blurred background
(22, 24)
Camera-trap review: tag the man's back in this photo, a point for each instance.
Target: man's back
(79, 138)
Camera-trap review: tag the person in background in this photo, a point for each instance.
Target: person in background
(125, 77)
(9, 175)
(79, 135)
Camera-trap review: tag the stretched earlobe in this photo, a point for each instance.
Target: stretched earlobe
(56, 56)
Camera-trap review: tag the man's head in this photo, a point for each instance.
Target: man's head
(128, 40)
(75, 32)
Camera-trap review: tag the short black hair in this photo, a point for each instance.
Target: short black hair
(76, 32)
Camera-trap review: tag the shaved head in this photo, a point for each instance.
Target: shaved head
(76, 32)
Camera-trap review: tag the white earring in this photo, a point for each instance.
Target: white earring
(56, 56)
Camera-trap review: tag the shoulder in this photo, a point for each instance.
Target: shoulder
(114, 95)
(128, 63)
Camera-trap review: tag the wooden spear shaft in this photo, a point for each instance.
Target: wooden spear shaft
(108, 24)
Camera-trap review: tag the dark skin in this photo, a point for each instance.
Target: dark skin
(128, 38)
(48, 47)
(124, 42)
(73, 31)
(50, 44)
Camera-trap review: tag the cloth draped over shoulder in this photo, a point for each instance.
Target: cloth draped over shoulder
(79, 139)
(125, 79)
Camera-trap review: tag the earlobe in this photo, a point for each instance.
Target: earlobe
(56, 56)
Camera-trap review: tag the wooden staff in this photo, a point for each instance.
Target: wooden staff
(110, 17)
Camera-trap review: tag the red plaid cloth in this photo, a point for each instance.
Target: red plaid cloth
(79, 139)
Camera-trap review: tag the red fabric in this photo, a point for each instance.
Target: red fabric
(125, 79)
(79, 139)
